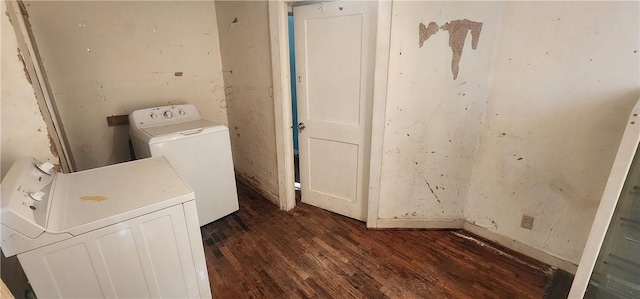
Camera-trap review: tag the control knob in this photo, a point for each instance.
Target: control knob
(168, 114)
(154, 116)
(37, 196)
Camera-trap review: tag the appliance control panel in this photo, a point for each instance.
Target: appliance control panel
(164, 115)
(26, 190)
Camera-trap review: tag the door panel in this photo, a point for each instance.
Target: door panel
(333, 169)
(332, 70)
(334, 60)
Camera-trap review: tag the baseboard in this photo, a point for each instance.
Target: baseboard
(479, 231)
(521, 248)
(419, 223)
(256, 186)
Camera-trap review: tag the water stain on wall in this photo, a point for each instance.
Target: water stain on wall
(458, 30)
(563, 188)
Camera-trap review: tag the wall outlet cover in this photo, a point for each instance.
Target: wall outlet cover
(526, 222)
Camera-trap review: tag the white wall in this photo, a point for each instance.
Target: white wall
(110, 58)
(24, 132)
(433, 121)
(246, 58)
(566, 77)
(530, 126)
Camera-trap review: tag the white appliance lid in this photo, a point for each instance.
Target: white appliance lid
(91, 199)
(185, 128)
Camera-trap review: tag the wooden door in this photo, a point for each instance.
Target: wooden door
(335, 45)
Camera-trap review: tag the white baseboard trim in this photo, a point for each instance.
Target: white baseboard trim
(256, 186)
(419, 223)
(521, 248)
(386, 223)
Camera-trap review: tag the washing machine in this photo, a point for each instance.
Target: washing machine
(200, 150)
(128, 230)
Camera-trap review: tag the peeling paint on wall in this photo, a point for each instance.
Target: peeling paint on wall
(52, 147)
(431, 122)
(52, 144)
(24, 66)
(24, 131)
(457, 34)
(426, 32)
(458, 30)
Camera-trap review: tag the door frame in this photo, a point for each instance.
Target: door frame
(278, 30)
(39, 81)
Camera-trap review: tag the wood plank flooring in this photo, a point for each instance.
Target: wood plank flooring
(262, 252)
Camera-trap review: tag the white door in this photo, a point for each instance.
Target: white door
(335, 45)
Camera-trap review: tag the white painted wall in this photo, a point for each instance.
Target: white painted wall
(565, 78)
(110, 58)
(246, 58)
(23, 130)
(432, 121)
(533, 129)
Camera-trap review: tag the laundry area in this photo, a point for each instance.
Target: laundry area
(134, 133)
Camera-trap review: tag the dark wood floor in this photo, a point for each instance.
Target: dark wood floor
(262, 252)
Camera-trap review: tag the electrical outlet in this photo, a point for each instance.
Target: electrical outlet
(526, 222)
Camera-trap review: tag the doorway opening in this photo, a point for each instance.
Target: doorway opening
(294, 106)
(333, 77)
(279, 30)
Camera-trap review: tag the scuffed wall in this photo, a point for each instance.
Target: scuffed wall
(24, 132)
(110, 58)
(437, 94)
(565, 78)
(246, 57)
